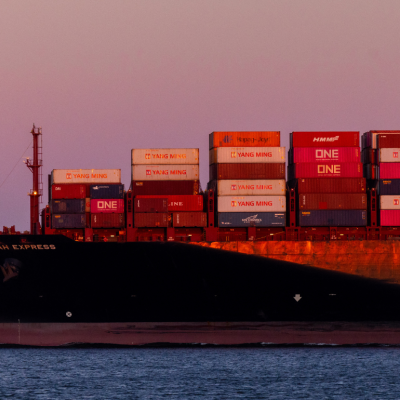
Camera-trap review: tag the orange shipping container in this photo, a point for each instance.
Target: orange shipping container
(244, 139)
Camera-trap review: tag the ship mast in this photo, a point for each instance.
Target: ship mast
(37, 190)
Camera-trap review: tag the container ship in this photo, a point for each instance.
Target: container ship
(297, 247)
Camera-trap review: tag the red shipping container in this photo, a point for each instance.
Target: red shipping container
(179, 203)
(148, 188)
(389, 171)
(329, 185)
(372, 137)
(143, 204)
(331, 201)
(107, 206)
(325, 139)
(190, 219)
(369, 156)
(247, 171)
(65, 191)
(389, 217)
(152, 220)
(388, 141)
(328, 154)
(325, 170)
(108, 220)
(244, 139)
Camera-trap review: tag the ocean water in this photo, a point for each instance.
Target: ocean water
(200, 373)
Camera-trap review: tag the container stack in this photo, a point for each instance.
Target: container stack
(326, 173)
(247, 173)
(382, 169)
(87, 198)
(165, 186)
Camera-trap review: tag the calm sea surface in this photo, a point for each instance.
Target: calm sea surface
(200, 373)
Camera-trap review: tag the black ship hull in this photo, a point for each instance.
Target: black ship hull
(61, 292)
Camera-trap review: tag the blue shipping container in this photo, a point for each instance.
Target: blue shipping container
(107, 191)
(245, 219)
(389, 186)
(68, 221)
(333, 218)
(68, 206)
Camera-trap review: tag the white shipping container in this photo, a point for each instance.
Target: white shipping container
(165, 172)
(165, 156)
(251, 203)
(389, 202)
(262, 187)
(252, 155)
(389, 155)
(59, 176)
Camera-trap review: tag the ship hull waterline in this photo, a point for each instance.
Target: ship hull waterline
(62, 292)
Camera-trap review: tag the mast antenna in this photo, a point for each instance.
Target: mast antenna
(35, 167)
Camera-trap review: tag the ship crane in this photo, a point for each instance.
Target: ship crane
(36, 192)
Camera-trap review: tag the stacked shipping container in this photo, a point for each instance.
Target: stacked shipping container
(326, 173)
(165, 186)
(247, 173)
(87, 198)
(381, 151)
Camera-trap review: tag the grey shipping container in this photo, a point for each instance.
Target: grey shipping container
(68, 221)
(333, 218)
(389, 187)
(68, 206)
(107, 191)
(244, 219)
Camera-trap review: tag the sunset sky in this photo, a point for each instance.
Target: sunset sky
(103, 77)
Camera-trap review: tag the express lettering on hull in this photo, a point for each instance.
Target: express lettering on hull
(28, 247)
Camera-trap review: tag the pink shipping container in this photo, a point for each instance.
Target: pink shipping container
(180, 203)
(147, 188)
(92, 176)
(249, 187)
(331, 201)
(389, 171)
(389, 202)
(388, 141)
(107, 206)
(325, 139)
(389, 217)
(190, 219)
(153, 205)
(328, 154)
(329, 185)
(165, 172)
(165, 156)
(108, 220)
(371, 137)
(152, 220)
(247, 171)
(66, 191)
(325, 170)
(389, 155)
(251, 203)
(247, 155)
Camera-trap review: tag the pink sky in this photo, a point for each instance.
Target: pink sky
(103, 77)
